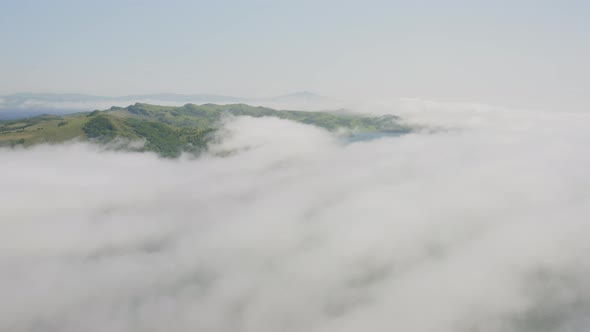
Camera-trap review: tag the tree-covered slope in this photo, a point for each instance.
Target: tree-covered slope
(170, 130)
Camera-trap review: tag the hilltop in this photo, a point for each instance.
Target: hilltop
(22, 105)
(170, 130)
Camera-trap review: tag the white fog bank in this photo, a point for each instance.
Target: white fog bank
(465, 228)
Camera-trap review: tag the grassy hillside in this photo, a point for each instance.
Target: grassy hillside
(169, 130)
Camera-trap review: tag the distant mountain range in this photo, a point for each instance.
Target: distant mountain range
(22, 105)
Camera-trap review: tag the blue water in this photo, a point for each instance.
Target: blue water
(369, 136)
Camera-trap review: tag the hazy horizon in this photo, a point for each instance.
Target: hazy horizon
(522, 54)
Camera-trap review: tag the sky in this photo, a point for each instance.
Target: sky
(519, 54)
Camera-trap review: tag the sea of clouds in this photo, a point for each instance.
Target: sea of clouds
(478, 222)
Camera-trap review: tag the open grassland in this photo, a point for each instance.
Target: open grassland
(170, 130)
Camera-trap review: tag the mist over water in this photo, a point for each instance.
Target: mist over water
(479, 222)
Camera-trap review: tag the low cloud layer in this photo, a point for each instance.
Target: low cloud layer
(465, 228)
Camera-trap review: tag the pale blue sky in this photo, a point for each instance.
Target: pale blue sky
(508, 53)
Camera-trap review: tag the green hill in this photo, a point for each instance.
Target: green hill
(169, 130)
